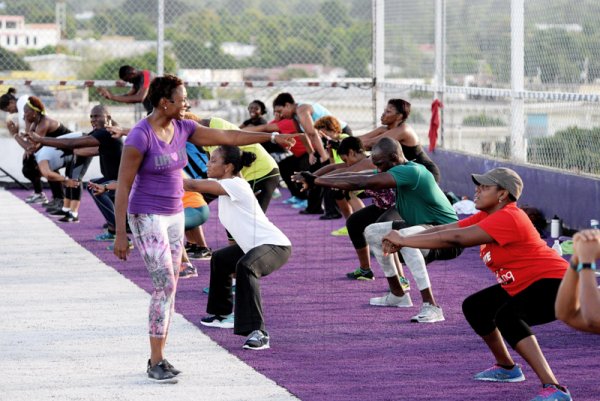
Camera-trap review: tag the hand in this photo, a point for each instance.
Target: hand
(301, 178)
(586, 246)
(71, 183)
(188, 184)
(97, 189)
(120, 83)
(13, 129)
(33, 137)
(392, 242)
(121, 246)
(105, 93)
(117, 132)
(312, 159)
(286, 141)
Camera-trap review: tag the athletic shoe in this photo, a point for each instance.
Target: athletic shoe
(199, 253)
(53, 204)
(167, 366)
(292, 200)
(360, 274)
(69, 218)
(404, 283)
(36, 198)
(276, 193)
(160, 373)
(553, 392)
(300, 205)
(429, 314)
(105, 236)
(257, 340)
(330, 216)
(340, 232)
(188, 271)
(499, 374)
(222, 322)
(111, 247)
(58, 212)
(392, 300)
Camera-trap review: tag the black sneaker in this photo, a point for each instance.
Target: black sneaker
(257, 340)
(188, 271)
(359, 274)
(69, 218)
(199, 253)
(54, 204)
(167, 366)
(160, 373)
(57, 212)
(222, 322)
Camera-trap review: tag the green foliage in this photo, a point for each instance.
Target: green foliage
(10, 61)
(483, 120)
(568, 149)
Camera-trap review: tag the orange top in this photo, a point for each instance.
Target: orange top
(192, 199)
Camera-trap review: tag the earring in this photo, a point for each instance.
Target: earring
(165, 107)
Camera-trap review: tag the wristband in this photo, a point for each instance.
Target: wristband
(273, 135)
(582, 266)
(105, 188)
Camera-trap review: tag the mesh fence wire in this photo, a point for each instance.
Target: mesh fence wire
(294, 43)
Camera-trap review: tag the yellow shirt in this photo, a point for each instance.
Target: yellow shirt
(263, 164)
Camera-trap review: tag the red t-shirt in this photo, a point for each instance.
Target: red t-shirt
(288, 126)
(518, 256)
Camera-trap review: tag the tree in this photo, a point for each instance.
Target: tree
(10, 61)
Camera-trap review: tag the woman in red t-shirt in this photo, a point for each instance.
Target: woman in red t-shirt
(528, 273)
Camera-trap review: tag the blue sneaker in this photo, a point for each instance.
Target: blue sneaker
(206, 290)
(303, 204)
(291, 201)
(499, 374)
(553, 392)
(105, 236)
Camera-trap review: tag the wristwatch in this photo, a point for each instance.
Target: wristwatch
(105, 188)
(591, 266)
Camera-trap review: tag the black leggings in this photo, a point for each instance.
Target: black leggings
(249, 268)
(263, 188)
(493, 308)
(359, 220)
(32, 173)
(76, 169)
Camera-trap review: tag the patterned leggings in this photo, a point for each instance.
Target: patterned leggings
(160, 242)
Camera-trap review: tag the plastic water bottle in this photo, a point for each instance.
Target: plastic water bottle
(556, 246)
(555, 227)
(594, 224)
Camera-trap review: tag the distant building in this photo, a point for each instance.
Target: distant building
(238, 50)
(110, 47)
(60, 66)
(15, 34)
(563, 27)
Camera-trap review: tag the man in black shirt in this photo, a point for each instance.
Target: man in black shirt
(140, 79)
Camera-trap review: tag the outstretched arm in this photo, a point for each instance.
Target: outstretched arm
(204, 186)
(204, 136)
(86, 141)
(450, 237)
(352, 181)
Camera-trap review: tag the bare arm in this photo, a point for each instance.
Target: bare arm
(578, 299)
(131, 160)
(451, 237)
(394, 133)
(86, 141)
(262, 128)
(352, 181)
(87, 152)
(132, 96)
(305, 119)
(204, 186)
(204, 136)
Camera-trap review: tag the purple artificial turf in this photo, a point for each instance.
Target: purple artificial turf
(327, 343)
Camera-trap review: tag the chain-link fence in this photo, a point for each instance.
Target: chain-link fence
(234, 51)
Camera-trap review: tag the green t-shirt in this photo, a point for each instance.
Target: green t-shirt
(419, 199)
(263, 164)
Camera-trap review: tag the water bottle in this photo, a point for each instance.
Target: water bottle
(556, 246)
(594, 224)
(555, 227)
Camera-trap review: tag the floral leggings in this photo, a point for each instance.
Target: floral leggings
(160, 242)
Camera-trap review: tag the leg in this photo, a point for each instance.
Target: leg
(160, 242)
(222, 264)
(258, 262)
(105, 203)
(264, 187)
(356, 223)
(374, 234)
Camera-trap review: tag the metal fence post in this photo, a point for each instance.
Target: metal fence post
(160, 41)
(378, 64)
(518, 151)
(440, 59)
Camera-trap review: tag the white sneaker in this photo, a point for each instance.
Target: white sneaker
(392, 300)
(429, 314)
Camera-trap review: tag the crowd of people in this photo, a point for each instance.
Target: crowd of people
(160, 176)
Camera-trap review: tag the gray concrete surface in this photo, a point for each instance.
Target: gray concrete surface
(71, 328)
